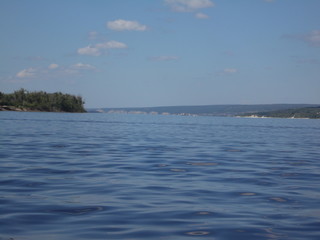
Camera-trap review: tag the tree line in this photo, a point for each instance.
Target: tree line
(310, 112)
(42, 101)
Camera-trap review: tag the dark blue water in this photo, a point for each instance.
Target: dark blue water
(105, 176)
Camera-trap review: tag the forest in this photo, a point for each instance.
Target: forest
(23, 100)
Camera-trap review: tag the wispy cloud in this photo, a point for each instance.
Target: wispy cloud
(312, 38)
(93, 35)
(188, 5)
(110, 44)
(78, 68)
(52, 71)
(89, 50)
(303, 60)
(227, 71)
(83, 66)
(201, 15)
(125, 25)
(36, 58)
(26, 73)
(100, 48)
(53, 66)
(230, 70)
(163, 58)
(228, 53)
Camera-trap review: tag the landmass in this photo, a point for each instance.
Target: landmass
(209, 110)
(23, 100)
(307, 112)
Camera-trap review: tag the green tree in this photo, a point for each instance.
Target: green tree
(42, 101)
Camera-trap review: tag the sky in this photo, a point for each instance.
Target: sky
(146, 53)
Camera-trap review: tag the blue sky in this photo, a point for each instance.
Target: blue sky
(124, 53)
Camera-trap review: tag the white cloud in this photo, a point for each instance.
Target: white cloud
(89, 50)
(25, 73)
(188, 5)
(164, 58)
(53, 71)
(110, 44)
(78, 69)
(122, 25)
(53, 66)
(100, 48)
(201, 16)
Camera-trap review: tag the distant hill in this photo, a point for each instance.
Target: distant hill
(206, 110)
(307, 112)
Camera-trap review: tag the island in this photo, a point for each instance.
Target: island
(40, 101)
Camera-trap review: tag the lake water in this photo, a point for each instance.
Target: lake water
(108, 176)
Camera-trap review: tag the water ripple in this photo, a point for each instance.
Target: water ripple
(77, 211)
(105, 176)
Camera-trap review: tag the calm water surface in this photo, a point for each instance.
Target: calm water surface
(104, 176)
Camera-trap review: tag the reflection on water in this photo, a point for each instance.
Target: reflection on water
(104, 176)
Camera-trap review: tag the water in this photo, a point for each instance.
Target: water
(104, 176)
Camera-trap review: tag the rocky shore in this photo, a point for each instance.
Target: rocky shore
(12, 108)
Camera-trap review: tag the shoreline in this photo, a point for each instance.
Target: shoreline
(255, 116)
(4, 108)
(14, 109)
